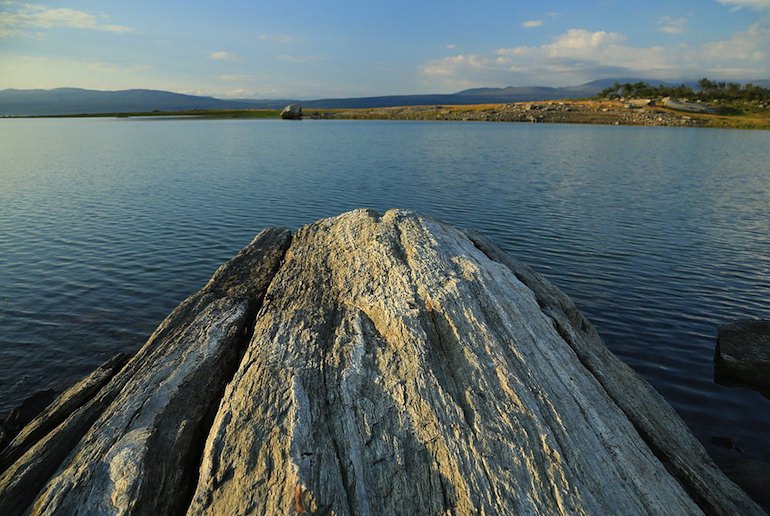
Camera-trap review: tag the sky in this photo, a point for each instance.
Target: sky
(353, 48)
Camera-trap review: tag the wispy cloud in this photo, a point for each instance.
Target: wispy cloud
(670, 25)
(751, 45)
(298, 59)
(451, 46)
(19, 18)
(237, 77)
(276, 38)
(759, 5)
(114, 68)
(81, 64)
(221, 55)
(529, 24)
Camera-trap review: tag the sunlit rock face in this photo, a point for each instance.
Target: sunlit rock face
(372, 364)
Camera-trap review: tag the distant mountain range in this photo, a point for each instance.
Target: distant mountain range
(68, 101)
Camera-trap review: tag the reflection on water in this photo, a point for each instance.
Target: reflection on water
(658, 234)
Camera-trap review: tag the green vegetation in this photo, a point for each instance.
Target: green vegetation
(733, 105)
(643, 90)
(708, 91)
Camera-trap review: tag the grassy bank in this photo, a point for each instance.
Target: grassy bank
(735, 115)
(609, 112)
(192, 113)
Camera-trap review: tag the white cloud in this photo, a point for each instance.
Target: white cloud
(451, 46)
(670, 25)
(221, 55)
(582, 43)
(532, 23)
(276, 38)
(449, 66)
(237, 77)
(751, 4)
(749, 45)
(22, 17)
(580, 55)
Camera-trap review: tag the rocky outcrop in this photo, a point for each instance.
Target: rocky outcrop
(135, 446)
(292, 112)
(743, 353)
(561, 112)
(376, 364)
(688, 107)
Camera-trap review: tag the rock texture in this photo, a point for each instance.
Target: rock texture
(612, 112)
(292, 112)
(134, 447)
(375, 365)
(743, 353)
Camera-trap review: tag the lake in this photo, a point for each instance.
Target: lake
(658, 234)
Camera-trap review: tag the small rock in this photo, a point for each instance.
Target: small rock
(743, 353)
(724, 442)
(292, 112)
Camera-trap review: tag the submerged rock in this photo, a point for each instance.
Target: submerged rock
(743, 353)
(292, 112)
(378, 364)
(23, 414)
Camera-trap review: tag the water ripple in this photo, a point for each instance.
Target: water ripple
(660, 235)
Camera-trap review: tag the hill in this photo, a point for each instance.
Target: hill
(67, 101)
(72, 101)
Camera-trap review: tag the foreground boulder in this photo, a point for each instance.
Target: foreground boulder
(743, 353)
(376, 364)
(292, 112)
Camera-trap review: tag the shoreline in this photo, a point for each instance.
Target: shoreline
(601, 112)
(598, 112)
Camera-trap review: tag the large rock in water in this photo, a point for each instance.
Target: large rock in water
(373, 364)
(292, 112)
(743, 353)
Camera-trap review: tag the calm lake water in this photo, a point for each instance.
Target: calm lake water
(659, 234)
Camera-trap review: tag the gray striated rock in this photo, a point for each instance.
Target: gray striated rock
(292, 112)
(38, 450)
(743, 353)
(135, 447)
(654, 419)
(395, 365)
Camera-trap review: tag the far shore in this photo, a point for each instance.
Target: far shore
(605, 112)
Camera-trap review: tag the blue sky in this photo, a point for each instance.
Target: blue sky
(344, 48)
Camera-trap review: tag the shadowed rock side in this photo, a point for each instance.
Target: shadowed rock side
(137, 444)
(394, 366)
(655, 420)
(60, 409)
